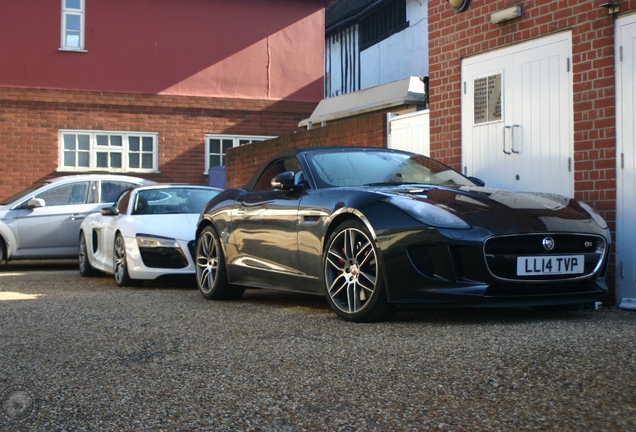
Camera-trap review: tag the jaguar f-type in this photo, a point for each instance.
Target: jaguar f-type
(376, 229)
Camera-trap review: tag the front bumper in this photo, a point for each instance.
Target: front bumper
(439, 270)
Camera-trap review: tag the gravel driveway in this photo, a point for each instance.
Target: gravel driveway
(83, 354)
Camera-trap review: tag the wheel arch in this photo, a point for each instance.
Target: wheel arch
(3, 250)
(7, 242)
(343, 215)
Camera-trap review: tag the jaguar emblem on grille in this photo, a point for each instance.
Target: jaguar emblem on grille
(548, 243)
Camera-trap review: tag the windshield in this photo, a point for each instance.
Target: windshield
(23, 194)
(172, 200)
(359, 168)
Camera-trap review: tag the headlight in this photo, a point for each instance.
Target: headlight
(597, 217)
(148, 241)
(430, 214)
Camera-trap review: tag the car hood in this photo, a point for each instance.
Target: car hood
(502, 211)
(178, 226)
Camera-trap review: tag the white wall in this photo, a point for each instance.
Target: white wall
(402, 55)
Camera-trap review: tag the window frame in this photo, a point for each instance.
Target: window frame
(81, 12)
(237, 140)
(94, 149)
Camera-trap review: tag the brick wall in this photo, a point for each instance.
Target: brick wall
(30, 120)
(242, 162)
(454, 36)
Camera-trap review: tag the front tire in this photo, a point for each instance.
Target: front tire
(353, 277)
(120, 264)
(211, 268)
(85, 267)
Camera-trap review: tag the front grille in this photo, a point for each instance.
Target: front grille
(169, 258)
(502, 252)
(531, 244)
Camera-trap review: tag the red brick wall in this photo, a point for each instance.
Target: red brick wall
(242, 162)
(454, 36)
(30, 120)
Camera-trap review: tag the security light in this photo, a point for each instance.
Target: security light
(458, 5)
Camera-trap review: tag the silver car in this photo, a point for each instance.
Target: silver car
(43, 221)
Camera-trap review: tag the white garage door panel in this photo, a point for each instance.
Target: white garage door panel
(410, 132)
(626, 176)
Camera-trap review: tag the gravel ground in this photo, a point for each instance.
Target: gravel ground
(83, 354)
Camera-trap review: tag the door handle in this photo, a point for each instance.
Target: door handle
(77, 216)
(512, 138)
(504, 139)
(241, 210)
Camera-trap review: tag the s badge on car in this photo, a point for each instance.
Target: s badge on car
(548, 243)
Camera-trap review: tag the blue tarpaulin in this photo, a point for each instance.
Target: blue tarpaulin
(216, 177)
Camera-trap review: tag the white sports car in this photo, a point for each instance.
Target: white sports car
(148, 233)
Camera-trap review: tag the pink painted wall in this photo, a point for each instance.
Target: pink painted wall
(255, 49)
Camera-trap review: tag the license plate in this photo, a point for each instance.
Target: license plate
(550, 265)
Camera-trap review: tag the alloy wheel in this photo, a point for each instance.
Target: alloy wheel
(207, 262)
(119, 259)
(351, 270)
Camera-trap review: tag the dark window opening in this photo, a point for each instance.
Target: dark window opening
(381, 24)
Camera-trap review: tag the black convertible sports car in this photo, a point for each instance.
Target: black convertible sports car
(375, 229)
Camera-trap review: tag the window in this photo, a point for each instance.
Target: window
(217, 145)
(111, 190)
(122, 202)
(108, 151)
(68, 194)
(264, 183)
(382, 23)
(73, 25)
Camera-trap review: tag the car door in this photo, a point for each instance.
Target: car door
(52, 230)
(265, 224)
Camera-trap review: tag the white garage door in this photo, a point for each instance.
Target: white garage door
(626, 178)
(517, 116)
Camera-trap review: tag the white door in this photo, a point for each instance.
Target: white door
(517, 116)
(410, 132)
(626, 177)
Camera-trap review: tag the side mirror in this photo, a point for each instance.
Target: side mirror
(284, 181)
(477, 181)
(109, 211)
(34, 202)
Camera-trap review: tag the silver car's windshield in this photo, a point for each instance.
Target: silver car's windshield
(23, 194)
(360, 168)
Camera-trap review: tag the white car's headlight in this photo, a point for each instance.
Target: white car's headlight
(430, 214)
(597, 217)
(148, 241)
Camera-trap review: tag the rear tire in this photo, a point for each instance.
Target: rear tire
(211, 269)
(3, 251)
(353, 276)
(85, 267)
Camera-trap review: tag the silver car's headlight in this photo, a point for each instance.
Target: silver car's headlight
(149, 241)
(430, 214)
(597, 217)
